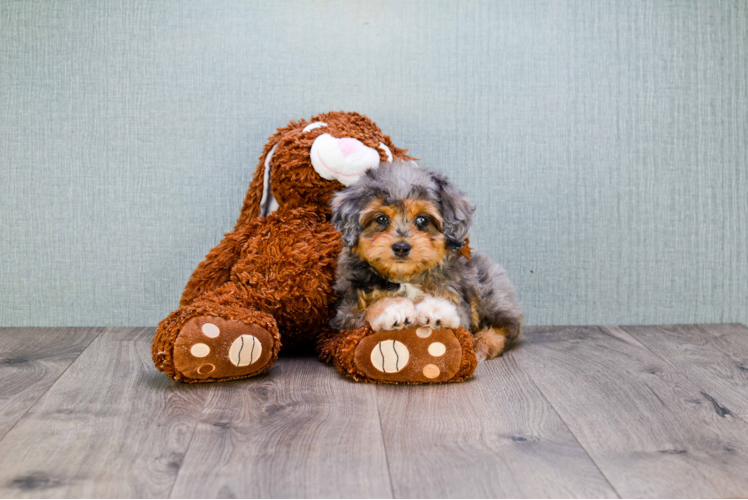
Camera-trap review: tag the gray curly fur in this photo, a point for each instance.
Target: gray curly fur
(479, 277)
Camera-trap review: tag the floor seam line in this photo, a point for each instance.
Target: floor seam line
(186, 450)
(189, 443)
(576, 439)
(101, 330)
(384, 443)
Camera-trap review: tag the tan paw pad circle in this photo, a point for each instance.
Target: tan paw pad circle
(437, 349)
(245, 350)
(210, 330)
(206, 368)
(431, 371)
(390, 356)
(199, 350)
(424, 333)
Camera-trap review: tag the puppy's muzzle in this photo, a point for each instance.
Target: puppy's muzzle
(401, 249)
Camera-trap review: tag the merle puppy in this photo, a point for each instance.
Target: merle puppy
(406, 261)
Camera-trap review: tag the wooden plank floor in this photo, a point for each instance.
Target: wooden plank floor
(572, 412)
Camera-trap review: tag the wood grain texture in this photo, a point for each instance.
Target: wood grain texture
(31, 360)
(302, 430)
(651, 430)
(112, 426)
(571, 412)
(715, 357)
(492, 436)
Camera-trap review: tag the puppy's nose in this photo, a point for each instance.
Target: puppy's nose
(401, 248)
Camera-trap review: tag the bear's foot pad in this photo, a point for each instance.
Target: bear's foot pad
(210, 348)
(411, 355)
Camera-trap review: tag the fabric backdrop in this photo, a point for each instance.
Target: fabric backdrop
(603, 141)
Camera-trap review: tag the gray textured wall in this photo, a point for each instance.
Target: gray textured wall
(604, 142)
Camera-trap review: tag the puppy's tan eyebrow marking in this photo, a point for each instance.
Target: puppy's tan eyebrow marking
(368, 213)
(414, 208)
(372, 210)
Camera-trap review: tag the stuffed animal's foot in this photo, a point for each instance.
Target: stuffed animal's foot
(216, 338)
(415, 355)
(210, 348)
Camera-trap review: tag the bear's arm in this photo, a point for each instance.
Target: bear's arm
(215, 269)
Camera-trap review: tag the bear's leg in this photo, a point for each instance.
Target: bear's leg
(216, 338)
(416, 355)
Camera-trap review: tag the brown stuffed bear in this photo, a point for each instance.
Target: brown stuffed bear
(270, 280)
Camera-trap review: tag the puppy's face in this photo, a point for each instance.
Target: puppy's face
(402, 239)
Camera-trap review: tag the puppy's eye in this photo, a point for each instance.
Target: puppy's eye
(382, 220)
(422, 221)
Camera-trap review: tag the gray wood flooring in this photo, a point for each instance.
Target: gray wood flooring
(648, 411)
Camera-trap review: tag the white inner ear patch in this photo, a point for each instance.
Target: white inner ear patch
(387, 151)
(267, 202)
(314, 125)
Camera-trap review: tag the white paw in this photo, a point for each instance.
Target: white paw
(436, 312)
(394, 316)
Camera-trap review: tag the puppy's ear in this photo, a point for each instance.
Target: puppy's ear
(457, 212)
(346, 210)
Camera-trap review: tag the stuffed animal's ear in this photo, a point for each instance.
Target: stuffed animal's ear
(256, 201)
(346, 210)
(457, 212)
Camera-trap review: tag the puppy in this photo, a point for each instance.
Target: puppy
(405, 260)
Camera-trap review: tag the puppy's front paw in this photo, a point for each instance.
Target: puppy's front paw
(391, 314)
(436, 312)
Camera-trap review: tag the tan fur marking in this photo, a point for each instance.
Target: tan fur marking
(474, 315)
(414, 208)
(374, 208)
(449, 294)
(490, 342)
(365, 300)
(466, 251)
